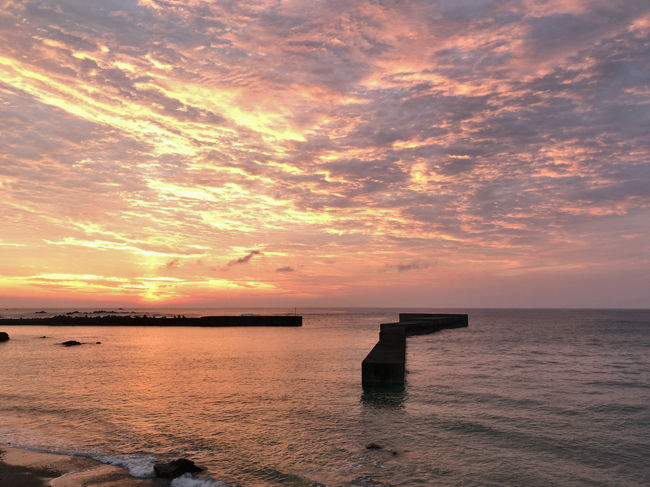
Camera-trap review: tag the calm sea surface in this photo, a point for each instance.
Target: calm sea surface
(521, 397)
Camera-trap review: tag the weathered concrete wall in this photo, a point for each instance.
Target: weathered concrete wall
(118, 320)
(423, 323)
(385, 365)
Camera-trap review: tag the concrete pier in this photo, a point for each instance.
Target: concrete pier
(384, 366)
(424, 323)
(120, 320)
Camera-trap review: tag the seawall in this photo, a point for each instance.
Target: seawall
(384, 366)
(115, 320)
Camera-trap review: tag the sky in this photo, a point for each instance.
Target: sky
(451, 153)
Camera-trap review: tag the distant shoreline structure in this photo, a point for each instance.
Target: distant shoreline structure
(145, 320)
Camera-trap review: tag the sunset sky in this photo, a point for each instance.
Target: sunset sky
(450, 153)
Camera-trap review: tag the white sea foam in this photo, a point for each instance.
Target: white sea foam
(138, 466)
(142, 467)
(186, 480)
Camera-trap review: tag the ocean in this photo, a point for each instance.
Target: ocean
(519, 398)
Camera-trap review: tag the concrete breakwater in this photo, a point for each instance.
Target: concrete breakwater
(117, 320)
(384, 366)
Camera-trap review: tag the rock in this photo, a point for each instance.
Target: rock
(3, 336)
(71, 343)
(98, 343)
(43, 336)
(373, 446)
(175, 468)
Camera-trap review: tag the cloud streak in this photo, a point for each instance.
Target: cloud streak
(244, 259)
(285, 269)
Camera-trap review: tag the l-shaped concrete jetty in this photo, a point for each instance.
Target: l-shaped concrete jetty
(384, 366)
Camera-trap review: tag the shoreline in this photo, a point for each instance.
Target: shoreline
(27, 468)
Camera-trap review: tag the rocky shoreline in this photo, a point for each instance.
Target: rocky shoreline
(28, 468)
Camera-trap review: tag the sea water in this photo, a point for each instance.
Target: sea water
(520, 397)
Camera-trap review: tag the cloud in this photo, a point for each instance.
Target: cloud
(135, 134)
(285, 269)
(244, 259)
(407, 266)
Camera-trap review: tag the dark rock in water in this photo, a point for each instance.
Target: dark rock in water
(175, 468)
(71, 343)
(3, 336)
(373, 446)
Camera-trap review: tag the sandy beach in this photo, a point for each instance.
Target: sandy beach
(25, 468)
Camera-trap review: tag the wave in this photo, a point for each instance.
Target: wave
(137, 466)
(140, 467)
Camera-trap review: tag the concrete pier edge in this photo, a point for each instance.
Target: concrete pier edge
(385, 366)
(119, 320)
